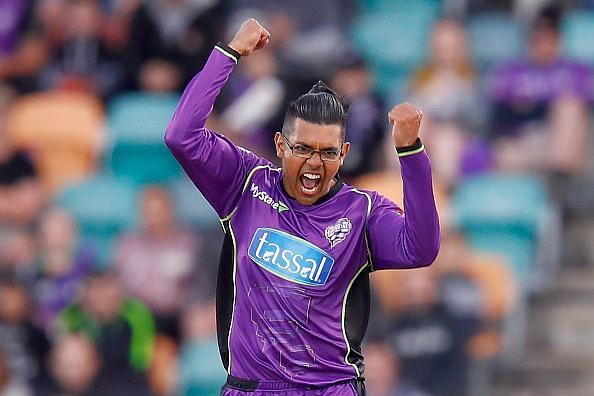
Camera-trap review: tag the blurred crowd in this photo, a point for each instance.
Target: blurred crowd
(108, 255)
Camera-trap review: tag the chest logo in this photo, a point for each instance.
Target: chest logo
(290, 257)
(267, 199)
(337, 232)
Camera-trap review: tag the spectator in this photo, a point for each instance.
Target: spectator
(63, 261)
(309, 34)
(17, 256)
(250, 107)
(540, 105)
(7, 386)
(156, 264)
(429, 340)
(445, 88)
(366, 125)
(382, 372)
(23, 47)
(74, 365)
(81, 60)
(173, 34)
(24, 346)
(21, 195)
(122, 329)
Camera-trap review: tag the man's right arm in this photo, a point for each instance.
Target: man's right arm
(213, 163)
(216, 166)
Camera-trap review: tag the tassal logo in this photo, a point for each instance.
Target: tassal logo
(267, 199)
(290, 257)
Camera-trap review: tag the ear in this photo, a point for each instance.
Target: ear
(345, 150)
(279, 144)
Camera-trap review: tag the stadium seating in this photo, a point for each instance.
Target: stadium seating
(494, 38)
(509, 215)
(392, 36)
(103, 206)
(192, 208)
(63, 131)
(136, 125)
(578, 35)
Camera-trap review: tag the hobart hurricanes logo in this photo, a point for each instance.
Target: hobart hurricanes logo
(290, 257)
(267, 199)
(337, 233)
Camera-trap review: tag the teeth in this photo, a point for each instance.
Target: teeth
(311, 176)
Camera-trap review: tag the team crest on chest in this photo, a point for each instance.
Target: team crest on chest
(337, 232)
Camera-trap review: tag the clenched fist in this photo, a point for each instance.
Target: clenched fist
(250, 37)
(406, 121)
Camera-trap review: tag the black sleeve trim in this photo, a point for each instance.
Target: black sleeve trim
(413, 147)
(230, 50)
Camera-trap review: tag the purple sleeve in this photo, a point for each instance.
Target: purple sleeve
(216, 166)
(410, 239)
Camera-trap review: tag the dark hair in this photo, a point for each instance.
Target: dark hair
(321, 105)
(549, 17)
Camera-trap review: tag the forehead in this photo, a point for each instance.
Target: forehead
(317, 135)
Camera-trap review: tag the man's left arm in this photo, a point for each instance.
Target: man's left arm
(411, 238)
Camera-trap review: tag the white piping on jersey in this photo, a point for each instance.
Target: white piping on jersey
(227, 53)
(228, 220)
(245, 184)
(234, 294)
(366, 218)
(344, 300)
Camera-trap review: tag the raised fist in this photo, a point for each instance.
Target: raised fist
(250, 37)
(406, 121)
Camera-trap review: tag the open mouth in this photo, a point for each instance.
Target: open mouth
(310, 183)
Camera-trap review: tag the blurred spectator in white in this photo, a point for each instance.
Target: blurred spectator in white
(17, 256)
(446, 89)
(23, 345)
(382, 372)
(156, 263)
(309, 35)
(366, 120)
(63, 261)
(540, 105)
(74, 365)
(81, 60)
(178, 32)
(23, 47)
(21, 195)
(122, 330)
(429, 339)
(200, 349)
(250, 107)
(8, 387)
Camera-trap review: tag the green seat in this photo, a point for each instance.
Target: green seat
(394, 38)
(493, 38)
(103, 206)
(137, 123)
(578, 35)
(503, 214)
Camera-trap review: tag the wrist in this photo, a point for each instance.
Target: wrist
(228, 50)
(415, 147)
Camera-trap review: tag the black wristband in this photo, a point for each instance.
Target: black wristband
(413, 148)
(229, 50)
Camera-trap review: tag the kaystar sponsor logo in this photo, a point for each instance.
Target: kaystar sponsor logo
(290, 257)
(267, 199)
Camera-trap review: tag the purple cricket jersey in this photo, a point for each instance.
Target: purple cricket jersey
(293, 287)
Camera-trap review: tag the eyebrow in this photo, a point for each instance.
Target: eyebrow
(309, 147)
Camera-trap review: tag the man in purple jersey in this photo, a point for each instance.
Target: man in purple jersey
(293, 285)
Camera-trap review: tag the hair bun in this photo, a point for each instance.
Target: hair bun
(320, 87)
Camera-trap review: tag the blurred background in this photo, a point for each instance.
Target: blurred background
(108, 254)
